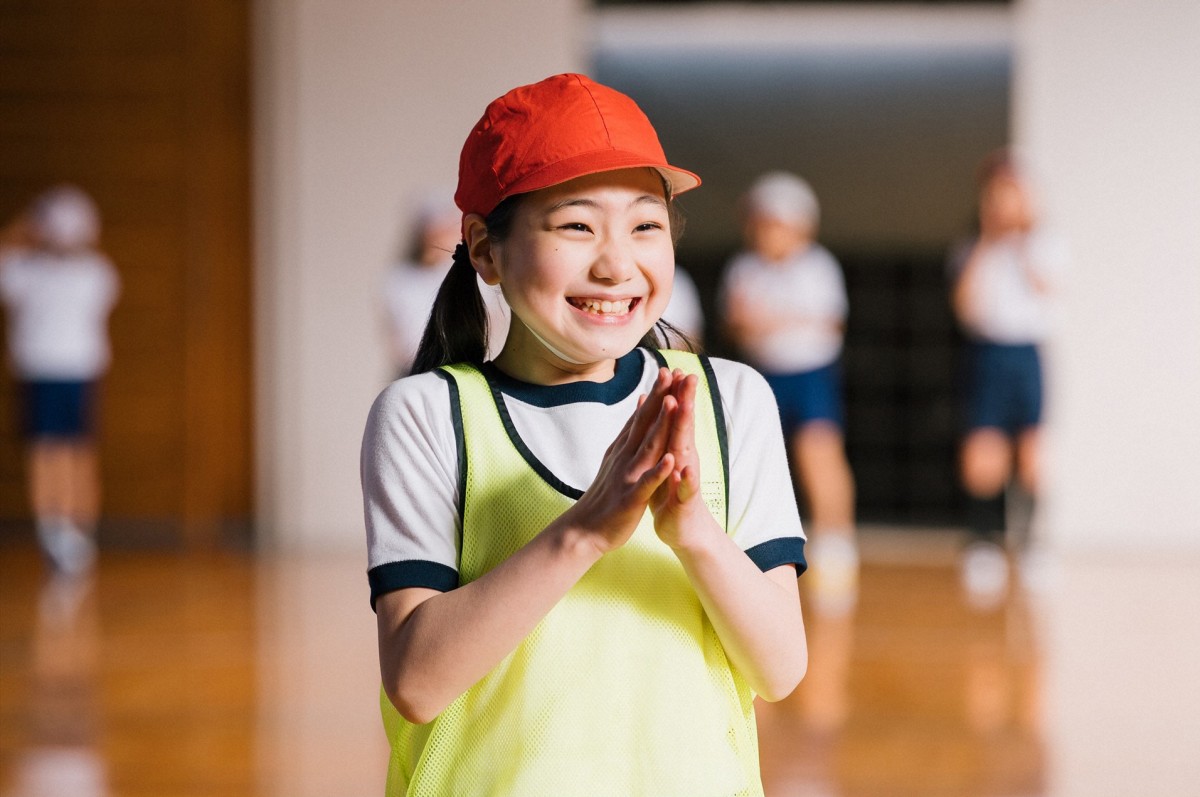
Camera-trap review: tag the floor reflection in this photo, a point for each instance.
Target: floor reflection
(916, 693)
(799, 735)
(62, 755)
(141, 682)
(220, 674)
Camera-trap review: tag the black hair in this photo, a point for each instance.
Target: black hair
(457, 330)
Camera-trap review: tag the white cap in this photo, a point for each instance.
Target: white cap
(783, 196)
(66, 218)
(436, 208)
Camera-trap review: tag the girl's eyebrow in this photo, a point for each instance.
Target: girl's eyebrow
(590, 203)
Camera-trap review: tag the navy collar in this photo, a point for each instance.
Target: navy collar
(625, 379)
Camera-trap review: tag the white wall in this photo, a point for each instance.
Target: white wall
(358, 106)
(1119, 644)
(1107, 103)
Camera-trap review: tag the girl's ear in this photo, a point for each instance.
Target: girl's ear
(480, 248)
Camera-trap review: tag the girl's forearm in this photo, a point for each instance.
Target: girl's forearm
(756, 615)
(451, 640)
(433, 650)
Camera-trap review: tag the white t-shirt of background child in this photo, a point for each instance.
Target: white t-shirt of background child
(58, 308)
(1007, 306)
(683, 310)
(807, 293)
(408, 294)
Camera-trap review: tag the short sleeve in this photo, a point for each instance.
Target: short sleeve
(763, 516)
(727, 287)
(839, 303)
(410, 482)
(10, 276)
(110, 282)
(683, 310)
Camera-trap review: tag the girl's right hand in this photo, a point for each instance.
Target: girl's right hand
(634, 465)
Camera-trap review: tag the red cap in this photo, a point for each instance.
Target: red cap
(552, 131)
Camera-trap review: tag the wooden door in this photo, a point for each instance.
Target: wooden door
(144, 104)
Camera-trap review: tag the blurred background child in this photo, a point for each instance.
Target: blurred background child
(58, 290)
(1002, 282)
(684, 312)
(784, 308)
(413, 281)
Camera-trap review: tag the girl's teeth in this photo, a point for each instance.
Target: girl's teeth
(605, 307)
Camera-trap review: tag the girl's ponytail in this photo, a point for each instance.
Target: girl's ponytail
(457, 329)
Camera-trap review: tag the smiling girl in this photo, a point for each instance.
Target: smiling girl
(583, 554)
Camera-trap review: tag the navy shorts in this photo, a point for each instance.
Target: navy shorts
(1004, 387)
(59, 409)
(809, 396)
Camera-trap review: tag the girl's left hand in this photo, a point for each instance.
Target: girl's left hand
(680, 515)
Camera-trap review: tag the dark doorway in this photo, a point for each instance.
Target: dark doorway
(889, 137)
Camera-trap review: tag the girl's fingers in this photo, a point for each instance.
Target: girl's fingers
(687, 483)
(626, 431)
(653, 477)
(683, 432)
(648, 408)
(654, 445)
(635, 423)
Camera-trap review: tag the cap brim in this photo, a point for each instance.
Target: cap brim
(681, 180)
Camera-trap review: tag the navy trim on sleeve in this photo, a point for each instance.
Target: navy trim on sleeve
(782, 551)
(412, 573)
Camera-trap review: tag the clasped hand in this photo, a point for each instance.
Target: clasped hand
(651, 463)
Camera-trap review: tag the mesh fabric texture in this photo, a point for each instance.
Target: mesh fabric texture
(622, 689)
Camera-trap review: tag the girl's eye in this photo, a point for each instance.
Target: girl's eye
(576, 226)
(650, 225)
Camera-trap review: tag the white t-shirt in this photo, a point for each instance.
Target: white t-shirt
(683, 310)
(58, 308)
(1006, 306)
(808, 291)
(409, 464)
(408, 293)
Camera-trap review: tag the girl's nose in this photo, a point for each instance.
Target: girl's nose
(615, 262)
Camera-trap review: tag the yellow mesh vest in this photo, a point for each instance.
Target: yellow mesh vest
(623, 689)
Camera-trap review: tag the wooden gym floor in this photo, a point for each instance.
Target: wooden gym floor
(168, 675)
